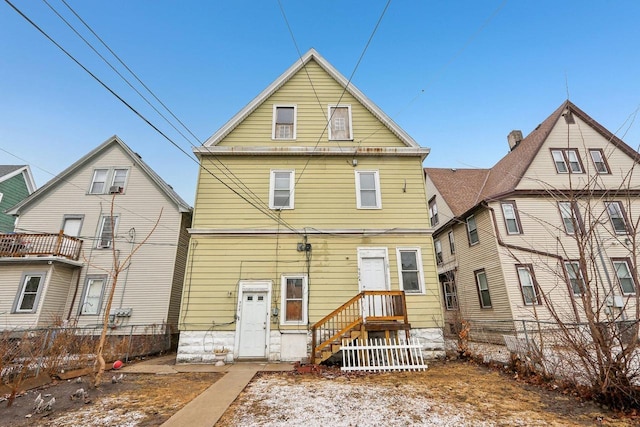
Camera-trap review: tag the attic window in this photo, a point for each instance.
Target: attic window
(284, 122)
(567, 160)
(340, 123)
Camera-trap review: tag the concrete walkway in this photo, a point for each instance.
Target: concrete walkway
(208, 407)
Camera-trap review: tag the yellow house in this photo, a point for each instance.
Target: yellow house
(310, 222)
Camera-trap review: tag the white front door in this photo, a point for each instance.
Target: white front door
(373, 277)
(253, 324)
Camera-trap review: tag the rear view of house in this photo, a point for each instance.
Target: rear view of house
(309, 227)
(56, 267)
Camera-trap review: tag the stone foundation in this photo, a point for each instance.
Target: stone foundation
(289, 346)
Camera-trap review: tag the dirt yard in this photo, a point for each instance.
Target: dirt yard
(447, 394)
(137, 400)
(451, 393)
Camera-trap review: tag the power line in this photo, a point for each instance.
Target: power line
(266, 212)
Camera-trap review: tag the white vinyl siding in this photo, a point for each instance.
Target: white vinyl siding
(294, 299)
(368, 190)
(340, 123)
(284, 122)
(410, 270)
(281, 189)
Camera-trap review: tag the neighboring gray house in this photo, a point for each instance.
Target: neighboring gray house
(16, 183)
(55, 267)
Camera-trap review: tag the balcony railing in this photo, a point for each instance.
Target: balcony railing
(19, 245)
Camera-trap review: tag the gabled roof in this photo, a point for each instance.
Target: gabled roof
(9, 171)
(87, 159)
(459, 198)
(286, 76)
(505, 175)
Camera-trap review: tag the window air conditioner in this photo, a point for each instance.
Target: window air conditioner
(114, 189)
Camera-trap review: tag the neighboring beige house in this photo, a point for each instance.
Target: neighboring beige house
(307, 198)
(55, 267)
(505, 237)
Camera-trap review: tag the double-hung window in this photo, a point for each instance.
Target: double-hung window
(92, 296)
(340, 122)
(281, 192)
(433, 212)
(29, 293)
(570, 216)
(567, 160)
(511, 219)
(99, 181)
(472, 230)
(284, 122)
(576, 279)
(599, 161)
(101, 177)
(294, 299)
(483, 289)
(616, 216)
(106, 233)
(527, 285)
(625, 276)
(438, 247)
(452, 243)
(368, 190)
(410, 270)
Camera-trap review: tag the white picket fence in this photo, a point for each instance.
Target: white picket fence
(382, 355)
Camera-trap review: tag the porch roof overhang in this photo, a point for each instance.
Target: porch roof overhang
(40, 260)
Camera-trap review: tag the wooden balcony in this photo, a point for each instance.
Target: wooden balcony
(18, 245)
(368, 311)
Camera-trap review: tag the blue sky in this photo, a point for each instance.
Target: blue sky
(457, 76)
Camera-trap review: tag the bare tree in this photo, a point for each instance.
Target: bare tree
(117, 267)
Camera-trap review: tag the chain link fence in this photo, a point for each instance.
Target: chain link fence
(27, 353)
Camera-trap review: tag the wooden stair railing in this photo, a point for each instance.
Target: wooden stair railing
(349, 320)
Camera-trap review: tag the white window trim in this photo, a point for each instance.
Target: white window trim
(486, 279)
(103, 218)
(601, 161)
(295, 121)
(93, 180)
(113, 178)
(418, 251)
(305, 299)
(20, 296)
(568, 265)
(506, 206)
(529, 273)
(437, 245)
(1, 195)
(272, 187)
(73, 216)
(330, 116)
(619, 211)
(469, 230)
(85, 293)
(378, 191)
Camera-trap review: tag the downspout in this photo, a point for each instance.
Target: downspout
(75, 294)
(528, 250)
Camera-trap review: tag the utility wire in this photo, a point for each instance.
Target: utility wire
(233, 178)
(268, 213)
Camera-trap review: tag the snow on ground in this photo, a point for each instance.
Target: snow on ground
(100, 414)
(339, 402)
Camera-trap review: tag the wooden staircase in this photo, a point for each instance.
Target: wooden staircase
(368, 311)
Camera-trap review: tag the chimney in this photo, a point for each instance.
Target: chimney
(514, 138)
